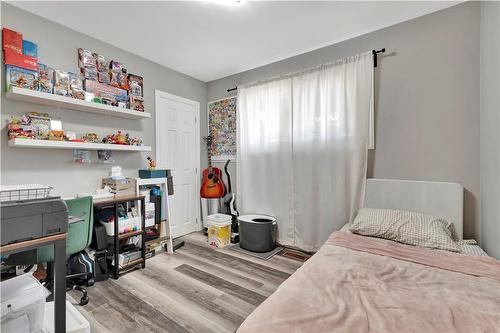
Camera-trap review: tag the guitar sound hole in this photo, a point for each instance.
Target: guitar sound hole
(210, 176)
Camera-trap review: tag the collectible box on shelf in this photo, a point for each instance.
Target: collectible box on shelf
(108, 94)
(45, 78)
(61, 83)
(103, 77)
(76, 86)
(135, 84)
(102, 63)
(12, 45)
(12, 40)
(13, 58)
(30, 49)
(20, 77)
(137, 103)
(89, 73)
(86, 59)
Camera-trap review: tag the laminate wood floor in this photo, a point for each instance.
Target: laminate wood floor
(196, 289)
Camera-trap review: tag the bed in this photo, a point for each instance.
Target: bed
(356, 283)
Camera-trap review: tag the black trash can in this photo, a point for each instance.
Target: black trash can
(257, 232)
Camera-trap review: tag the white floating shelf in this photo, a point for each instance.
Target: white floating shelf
(38, 97)
(28, 143)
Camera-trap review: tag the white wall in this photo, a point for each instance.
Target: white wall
(490, 127)
(427, 98)
(57, 46)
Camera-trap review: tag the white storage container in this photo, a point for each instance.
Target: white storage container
(150, 214)
(23, 304)
(122, 224)
(75, 321)
(219, 230)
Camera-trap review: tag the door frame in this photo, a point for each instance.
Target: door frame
(158, 94)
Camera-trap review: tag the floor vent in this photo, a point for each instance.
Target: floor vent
(295, 255)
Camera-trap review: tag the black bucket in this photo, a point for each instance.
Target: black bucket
(257, 233)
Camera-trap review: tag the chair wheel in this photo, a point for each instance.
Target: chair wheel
(84, 300)
(90, 282)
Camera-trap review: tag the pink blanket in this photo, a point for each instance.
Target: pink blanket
(361, 284)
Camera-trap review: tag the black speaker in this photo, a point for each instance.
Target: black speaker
(100, 266)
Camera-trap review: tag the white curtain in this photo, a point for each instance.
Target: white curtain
(302, 148)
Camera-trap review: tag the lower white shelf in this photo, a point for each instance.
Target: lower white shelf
(28, 143)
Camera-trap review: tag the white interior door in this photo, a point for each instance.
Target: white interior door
(178, 149)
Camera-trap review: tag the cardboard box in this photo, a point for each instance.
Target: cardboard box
(12, 40)
(11, 57)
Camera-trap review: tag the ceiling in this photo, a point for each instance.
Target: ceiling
(208, 41)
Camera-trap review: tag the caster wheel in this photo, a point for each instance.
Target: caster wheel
(84, 300)
(90, 282)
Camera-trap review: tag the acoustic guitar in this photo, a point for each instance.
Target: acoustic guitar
(212, 185)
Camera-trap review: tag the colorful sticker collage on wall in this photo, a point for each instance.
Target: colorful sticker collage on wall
(222, 128)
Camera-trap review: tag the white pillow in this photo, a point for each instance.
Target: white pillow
(405, 227)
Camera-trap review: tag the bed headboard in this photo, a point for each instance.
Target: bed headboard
(444, 200)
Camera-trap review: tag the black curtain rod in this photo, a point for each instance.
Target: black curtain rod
(374, 52)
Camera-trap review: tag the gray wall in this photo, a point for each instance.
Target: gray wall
(57, 47)
(427, 98)
(490, 122)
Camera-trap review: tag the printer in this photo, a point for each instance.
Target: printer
(30, 219)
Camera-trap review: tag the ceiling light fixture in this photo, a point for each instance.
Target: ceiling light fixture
(227, 2)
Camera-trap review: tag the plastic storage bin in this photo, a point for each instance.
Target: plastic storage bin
(75, 321)
(122, 225)
(219, 230)
(23, 304)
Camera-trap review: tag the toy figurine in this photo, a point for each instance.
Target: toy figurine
(121, 138)
(152, 163)
(17, 128)
(56, 135)
(91, 137)
(135, 141)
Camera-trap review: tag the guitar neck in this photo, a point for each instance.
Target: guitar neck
(209, 154)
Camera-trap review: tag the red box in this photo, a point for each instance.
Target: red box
(12, 40)
(13, 58)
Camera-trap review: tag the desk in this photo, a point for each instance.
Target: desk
(59, 242)
(114, 202)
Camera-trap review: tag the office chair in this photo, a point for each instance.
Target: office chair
(79, 236)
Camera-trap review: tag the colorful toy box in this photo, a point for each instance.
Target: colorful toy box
(12, 40)
(135, 85)
(136, 103)
(61, 83)
(13, 58)
(86, 59)
(20, 77)
(76, 86)
(108, 94)
(45, 78)
(12, 45)
(30, 49)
